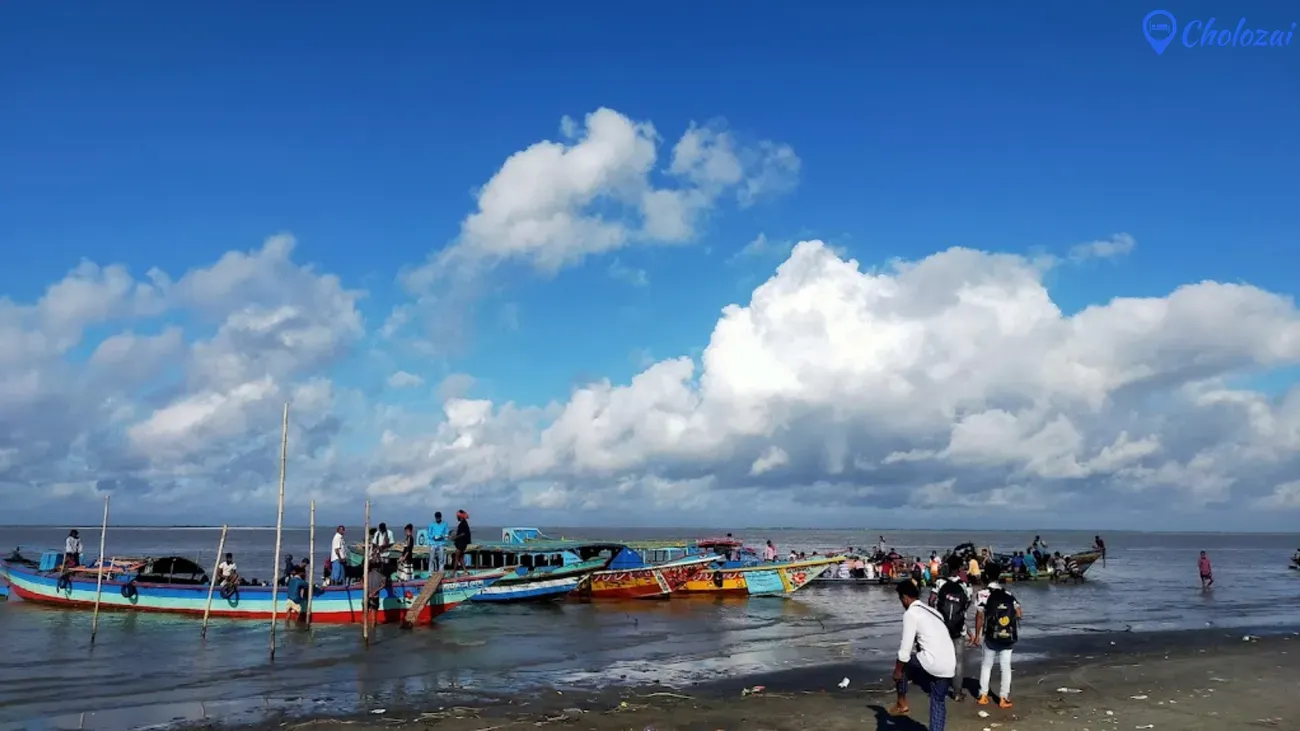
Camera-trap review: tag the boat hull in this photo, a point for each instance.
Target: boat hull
(1081, 561)
(538, 590)
(647, 582)
(331, 604)
(761, 580)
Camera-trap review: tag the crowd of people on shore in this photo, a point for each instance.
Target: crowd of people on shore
(936, 637)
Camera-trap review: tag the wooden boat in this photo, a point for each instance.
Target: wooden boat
(548, 569)
(629, 577)
(726, 551)
(763, 579)
(177, 585)
(874, 574)
(1076, 565)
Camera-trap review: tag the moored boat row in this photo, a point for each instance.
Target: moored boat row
(525, 566)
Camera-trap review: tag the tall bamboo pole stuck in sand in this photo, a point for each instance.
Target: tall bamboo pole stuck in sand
(279, 525)
(365, 582)
(221, 546)
(311, 560)
(99, 580)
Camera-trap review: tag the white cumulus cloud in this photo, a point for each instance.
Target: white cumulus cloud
(953, 382)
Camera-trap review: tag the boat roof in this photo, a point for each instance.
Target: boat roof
(531, 547)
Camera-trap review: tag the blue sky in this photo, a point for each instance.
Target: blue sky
(165, 135)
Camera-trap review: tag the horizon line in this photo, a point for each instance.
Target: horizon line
(136, 526)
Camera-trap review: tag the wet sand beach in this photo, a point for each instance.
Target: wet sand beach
(1186, 680)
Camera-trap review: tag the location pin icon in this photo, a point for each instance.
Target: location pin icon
(1160, 27)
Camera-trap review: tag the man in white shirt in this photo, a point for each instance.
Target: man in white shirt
(338, 557)
(925, 656)
(228, 572)
(72, 550)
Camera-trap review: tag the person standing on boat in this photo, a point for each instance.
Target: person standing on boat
(72, 550)
(462, 541)
(338, 557)
(769, 552)
(1100, 545)
(438, 532)
(404, 562)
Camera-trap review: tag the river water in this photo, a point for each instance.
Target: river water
(147, 669)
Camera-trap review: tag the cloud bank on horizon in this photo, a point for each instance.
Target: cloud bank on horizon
(952, 384)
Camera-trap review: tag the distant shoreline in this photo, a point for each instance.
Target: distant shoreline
(696, 530)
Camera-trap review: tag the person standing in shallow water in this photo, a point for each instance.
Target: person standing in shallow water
(1207, 574)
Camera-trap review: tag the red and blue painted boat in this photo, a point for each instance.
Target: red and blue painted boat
(176, 585)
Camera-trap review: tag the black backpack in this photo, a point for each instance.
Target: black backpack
(1000, 622)
(952, 604)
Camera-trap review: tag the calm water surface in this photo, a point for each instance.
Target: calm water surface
(148, 669)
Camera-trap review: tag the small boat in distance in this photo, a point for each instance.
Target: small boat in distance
(177, 585)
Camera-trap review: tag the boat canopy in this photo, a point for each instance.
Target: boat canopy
(521, 535)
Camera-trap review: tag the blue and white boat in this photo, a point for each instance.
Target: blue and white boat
(549, 569)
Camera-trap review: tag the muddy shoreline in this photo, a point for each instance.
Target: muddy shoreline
(1164, 679)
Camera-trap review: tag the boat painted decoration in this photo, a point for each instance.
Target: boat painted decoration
(148, 589)
(628, 577)
(550, 569)
(760, 580)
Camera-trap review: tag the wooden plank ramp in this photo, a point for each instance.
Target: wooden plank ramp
(422, 599)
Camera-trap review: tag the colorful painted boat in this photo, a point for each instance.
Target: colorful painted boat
(629, 577)
(550, 569)
(179, 586)
(4, 589)
(763, 579)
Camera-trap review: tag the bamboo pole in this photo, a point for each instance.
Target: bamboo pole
(221, 546)
(311, 561)
(279, 526)
(365, 582)
(99, 579)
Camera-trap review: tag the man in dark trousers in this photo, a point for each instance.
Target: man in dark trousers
(951, 597)
(461, 541)
(925, 656)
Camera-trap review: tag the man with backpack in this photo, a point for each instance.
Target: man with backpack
(925, 656)
(952, 598)
(997, 616)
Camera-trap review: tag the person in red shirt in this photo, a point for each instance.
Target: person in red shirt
(1207, 576)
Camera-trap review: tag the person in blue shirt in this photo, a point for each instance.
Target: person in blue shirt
(438, 532)
(1031, 564)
